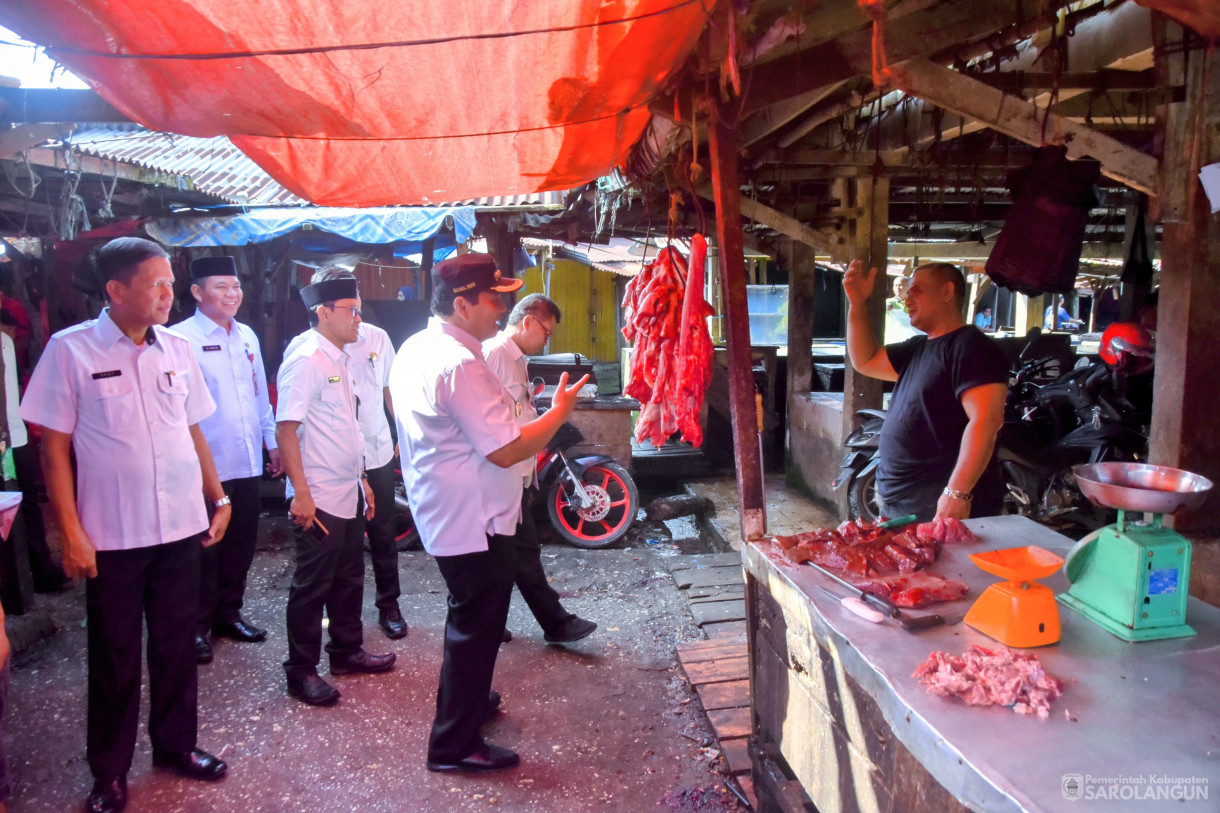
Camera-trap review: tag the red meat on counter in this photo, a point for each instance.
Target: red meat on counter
(984, 677)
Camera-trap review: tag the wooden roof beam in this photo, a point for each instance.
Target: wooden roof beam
(824, 240)
(1019, 119)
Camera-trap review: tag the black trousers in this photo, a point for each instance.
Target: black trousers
(158, 585)
(480, 586)
(383, 547)
(530, 578)
(329, 574)
(223, 567)
(46, 571)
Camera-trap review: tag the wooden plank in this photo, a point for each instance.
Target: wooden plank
(718, 671)
(746, 783)
(732, 694)
(731, 722)
(710, 577)
(702, 560)
(737, 755)
(724, 629)
(718, 593)
(698, 651)
(772, 118)
(718, 611)
(1021, 120)
(821, 239)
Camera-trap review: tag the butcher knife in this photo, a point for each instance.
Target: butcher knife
(910, 623)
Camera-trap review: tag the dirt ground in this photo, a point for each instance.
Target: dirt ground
(609, 723)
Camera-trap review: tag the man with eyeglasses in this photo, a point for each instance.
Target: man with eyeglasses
(229, 355)
(323, 453)
(530, 325)
(372, 356)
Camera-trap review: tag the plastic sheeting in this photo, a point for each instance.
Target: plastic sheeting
(366, 103)
(374, 226)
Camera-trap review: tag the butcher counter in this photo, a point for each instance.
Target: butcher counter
(838, 716)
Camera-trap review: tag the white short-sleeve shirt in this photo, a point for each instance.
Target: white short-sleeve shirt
(372, 356)
(129, 410)
(511, 366)
(232, 365)
(314, 388)
(452, 412)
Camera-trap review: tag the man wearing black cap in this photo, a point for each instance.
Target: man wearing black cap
(323, 453)
(232, 362)
(458, 440)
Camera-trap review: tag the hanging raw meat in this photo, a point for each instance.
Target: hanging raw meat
(665, 318)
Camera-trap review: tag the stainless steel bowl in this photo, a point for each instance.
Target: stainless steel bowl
(1141, 487)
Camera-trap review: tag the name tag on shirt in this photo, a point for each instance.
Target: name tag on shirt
(334, 379)
(107, 374)
(208, 348)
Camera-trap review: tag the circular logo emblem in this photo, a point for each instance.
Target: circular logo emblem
(1072, 786)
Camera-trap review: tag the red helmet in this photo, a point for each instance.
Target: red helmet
(1128, 346)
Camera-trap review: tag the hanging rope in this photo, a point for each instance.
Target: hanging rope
(875, 11)
(104, 211)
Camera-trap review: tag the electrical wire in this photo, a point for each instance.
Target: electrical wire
(323, 49)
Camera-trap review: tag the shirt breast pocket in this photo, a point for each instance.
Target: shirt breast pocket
(116, 401)
(332, 406)
(172, 389)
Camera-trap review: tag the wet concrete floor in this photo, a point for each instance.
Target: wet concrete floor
(608, 723)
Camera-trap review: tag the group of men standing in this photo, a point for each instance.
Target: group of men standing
(168, 429)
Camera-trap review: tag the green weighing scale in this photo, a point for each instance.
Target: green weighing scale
(1133, 578)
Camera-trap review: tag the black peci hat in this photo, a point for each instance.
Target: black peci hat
(213, 267)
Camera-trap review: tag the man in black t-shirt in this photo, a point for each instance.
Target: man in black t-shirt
(939, 439)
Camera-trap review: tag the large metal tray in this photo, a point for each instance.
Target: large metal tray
(1142, 487)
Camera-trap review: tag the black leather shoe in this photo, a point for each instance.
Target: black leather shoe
(203, 649)
(392, 623)
(362, 663)
(313, 690)
(573, 629)
(506, 636)
(194, 764)
(240, 630)
(485, 759)
(107, 796)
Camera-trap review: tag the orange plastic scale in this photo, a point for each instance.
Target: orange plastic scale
(1017, 612)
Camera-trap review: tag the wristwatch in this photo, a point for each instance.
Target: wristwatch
(964, 496)
(222, 502)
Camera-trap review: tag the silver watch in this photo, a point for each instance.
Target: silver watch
(222, 502)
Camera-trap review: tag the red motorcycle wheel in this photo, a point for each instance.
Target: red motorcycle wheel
(616, 502)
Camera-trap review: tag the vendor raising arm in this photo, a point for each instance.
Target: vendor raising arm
(937, 449)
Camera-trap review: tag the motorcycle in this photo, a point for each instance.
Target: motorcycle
(1083, 416)
(591, 501)
(858, 470)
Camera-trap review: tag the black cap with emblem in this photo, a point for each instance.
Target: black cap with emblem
(469, 274)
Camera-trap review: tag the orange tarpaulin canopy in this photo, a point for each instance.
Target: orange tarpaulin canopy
(371, 103)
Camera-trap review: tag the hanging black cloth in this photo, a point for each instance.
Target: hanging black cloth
(1038, 250)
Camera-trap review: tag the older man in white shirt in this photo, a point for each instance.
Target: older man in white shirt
(530, 325)
(459, 440)
(126, 395)
(323, 452)
(229, 355)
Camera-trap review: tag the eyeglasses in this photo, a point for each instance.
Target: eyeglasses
(545, 332)
(352, 309)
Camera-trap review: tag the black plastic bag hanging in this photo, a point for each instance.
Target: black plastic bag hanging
(1038, 250)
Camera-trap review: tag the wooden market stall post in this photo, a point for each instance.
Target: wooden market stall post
(727, 192)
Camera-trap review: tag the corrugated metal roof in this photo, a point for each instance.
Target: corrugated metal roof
(215, 165)
(621, 255)
(219, 168)
(534, 200)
